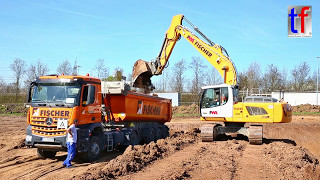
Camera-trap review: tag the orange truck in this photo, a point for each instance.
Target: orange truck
(110, 115)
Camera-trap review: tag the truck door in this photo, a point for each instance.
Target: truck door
(90, 106)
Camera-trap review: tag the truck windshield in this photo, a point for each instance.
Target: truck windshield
(56, 92)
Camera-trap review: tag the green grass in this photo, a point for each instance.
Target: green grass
(306, 113)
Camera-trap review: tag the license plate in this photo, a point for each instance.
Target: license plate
(47, 139)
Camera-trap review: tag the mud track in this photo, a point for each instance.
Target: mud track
(290, 151)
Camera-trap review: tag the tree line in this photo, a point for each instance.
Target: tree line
(181, 77)
(23, 74)
(299, 79)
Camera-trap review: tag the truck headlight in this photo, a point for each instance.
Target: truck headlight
(28, 138)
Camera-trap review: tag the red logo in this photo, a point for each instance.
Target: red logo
(213, 112)
(191, 39)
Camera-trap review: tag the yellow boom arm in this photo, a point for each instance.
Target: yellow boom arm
(214, 53)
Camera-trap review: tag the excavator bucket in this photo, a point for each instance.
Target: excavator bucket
(141, 75)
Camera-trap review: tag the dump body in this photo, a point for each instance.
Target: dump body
(139, 107)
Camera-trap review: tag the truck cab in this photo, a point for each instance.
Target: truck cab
(54, 102)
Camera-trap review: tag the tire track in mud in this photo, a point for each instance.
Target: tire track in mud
(23, 163)
(251, 164)
(24, 167)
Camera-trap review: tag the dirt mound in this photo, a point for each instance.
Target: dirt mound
(288, 160)
(306, 108)
(136, 158)
(187, 110)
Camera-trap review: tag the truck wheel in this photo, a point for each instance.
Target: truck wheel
(150, 135)
(164, 131)
(94, 150)
(46, 154)
(158, 133)
(134, 138)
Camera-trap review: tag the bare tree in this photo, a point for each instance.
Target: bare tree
(64, 68)
(101, 69)
(243, 80)
(35, 70)
(254, 76)
(198, 74)
(300, 76)
(3, 86)
(212, 77)
(177, 76)
(272, 79)
(164, 83)
(18, 67)
(284, 79)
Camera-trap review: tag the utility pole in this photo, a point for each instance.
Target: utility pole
(317, 90)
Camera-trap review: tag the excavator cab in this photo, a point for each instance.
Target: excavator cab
(218, 100)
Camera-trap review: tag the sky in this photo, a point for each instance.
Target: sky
(121, 32)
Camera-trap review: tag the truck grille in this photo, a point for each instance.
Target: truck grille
(39, 127)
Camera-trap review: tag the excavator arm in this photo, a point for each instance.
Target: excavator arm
(214, 53)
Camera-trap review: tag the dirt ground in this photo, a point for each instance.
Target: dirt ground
(289, 151)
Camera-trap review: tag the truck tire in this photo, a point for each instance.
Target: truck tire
(158, 133)
(134, 138)
(164, 131)
(94, 150)
(46, 154)
(149, 135)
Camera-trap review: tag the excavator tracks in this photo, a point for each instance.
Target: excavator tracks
(255, 134)
(209, 132)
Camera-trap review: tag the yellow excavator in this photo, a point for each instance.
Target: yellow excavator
(218, 103)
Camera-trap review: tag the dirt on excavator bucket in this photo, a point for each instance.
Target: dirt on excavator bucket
(141, 76)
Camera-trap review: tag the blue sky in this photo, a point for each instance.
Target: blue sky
(121, 32)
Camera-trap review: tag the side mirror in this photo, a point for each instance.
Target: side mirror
(30, 91)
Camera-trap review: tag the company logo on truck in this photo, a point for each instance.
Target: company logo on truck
(38, 112)
(148, 109)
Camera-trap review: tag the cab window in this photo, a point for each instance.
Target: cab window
(214, 97)
(88, 96)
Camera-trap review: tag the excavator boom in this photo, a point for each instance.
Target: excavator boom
(214, 53)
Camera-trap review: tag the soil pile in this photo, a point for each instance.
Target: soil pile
(137, 157)
(287, 160)
(306, 108)
(187, 110)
